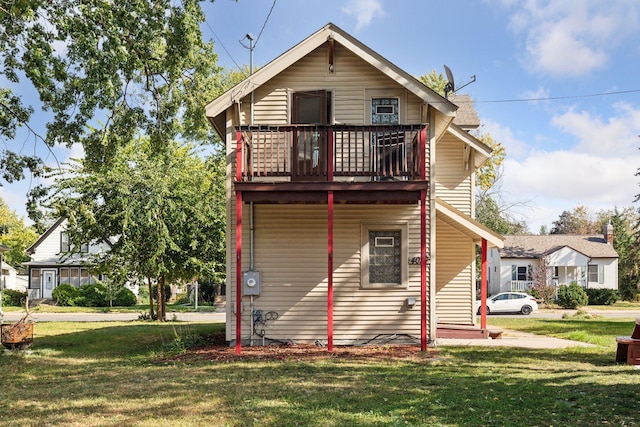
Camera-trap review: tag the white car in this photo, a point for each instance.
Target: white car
(509, 302)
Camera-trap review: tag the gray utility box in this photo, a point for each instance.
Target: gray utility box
(251, 283)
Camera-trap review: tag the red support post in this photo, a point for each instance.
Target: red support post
(330, 271)
(423, 270)
(483, 286)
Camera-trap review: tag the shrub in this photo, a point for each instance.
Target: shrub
(93, 295)
(66, 294)
(13, 297)
(602, 296)
(125, 298)
(572, 296)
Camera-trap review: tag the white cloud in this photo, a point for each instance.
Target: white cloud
(597, 169)
(566, 37)
(555, 181)
(616, 136)
(364, 11)
(514, 147)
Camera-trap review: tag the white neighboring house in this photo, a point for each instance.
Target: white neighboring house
(589, 260)
(10, 278)
(7, 272)
(52, 265)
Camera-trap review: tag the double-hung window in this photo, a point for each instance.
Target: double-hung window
(596, 274)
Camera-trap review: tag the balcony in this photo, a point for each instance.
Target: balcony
(326, 154)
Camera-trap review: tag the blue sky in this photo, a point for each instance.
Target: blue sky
(541, 67)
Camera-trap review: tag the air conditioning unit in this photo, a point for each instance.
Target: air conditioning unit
(251, 283)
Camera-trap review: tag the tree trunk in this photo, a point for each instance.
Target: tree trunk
(151, 313)
(162, 300)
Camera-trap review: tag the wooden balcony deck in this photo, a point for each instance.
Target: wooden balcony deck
(361, 164)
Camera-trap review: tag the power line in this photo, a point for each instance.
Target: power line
(223, 46)
(265, 23)
(553, 98)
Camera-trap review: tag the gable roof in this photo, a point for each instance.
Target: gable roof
(329, 31)
(31, 249)
(482, 150)
(466, 225)
(593, 246)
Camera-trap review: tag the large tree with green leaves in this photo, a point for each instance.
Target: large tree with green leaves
(15, 235)
(127, 68)
(164, 211)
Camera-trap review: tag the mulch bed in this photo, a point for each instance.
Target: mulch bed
(216, 349)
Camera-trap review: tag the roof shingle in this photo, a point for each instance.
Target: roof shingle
(593, 246)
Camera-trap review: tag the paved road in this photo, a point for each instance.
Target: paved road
(218, 316)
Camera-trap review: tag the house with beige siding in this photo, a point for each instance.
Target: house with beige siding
(589, 260)
(350, 213)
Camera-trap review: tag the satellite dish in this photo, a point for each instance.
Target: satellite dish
(451, 85)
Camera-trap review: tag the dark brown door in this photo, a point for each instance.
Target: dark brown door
(310, 142)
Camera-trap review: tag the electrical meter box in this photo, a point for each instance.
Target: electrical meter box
(251, 283)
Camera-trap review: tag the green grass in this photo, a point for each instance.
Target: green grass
(106, 374)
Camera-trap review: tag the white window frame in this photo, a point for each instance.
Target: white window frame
(367, 227)
(599, 273)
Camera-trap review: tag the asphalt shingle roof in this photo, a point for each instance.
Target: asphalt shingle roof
(466, 116)
(593, 246)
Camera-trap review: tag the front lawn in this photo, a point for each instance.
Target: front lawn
(594, 330)
(119, 373)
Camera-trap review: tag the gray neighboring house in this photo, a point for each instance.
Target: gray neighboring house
(589, 260)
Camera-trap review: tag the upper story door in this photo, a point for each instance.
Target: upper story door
(310, 144)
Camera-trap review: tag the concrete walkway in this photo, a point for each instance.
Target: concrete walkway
(512, 338)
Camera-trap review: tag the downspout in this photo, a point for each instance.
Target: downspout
(433, 314)
(423, 243)
(330, 230)
(238, 245)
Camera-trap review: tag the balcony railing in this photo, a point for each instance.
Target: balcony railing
(322, 153)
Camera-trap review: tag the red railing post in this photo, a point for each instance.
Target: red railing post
(330, 153)
(239, 156)
(423, 154)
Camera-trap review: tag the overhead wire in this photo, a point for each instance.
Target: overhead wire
(265, 23)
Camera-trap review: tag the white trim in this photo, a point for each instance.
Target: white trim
(403, 228)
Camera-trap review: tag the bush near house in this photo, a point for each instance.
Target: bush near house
(572, 296)
(602, 296)
(93, 295)
(13, 297)
(66, 294)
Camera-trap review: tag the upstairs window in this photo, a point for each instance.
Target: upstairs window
(65, 245)
(64, 242)
(384, 111)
